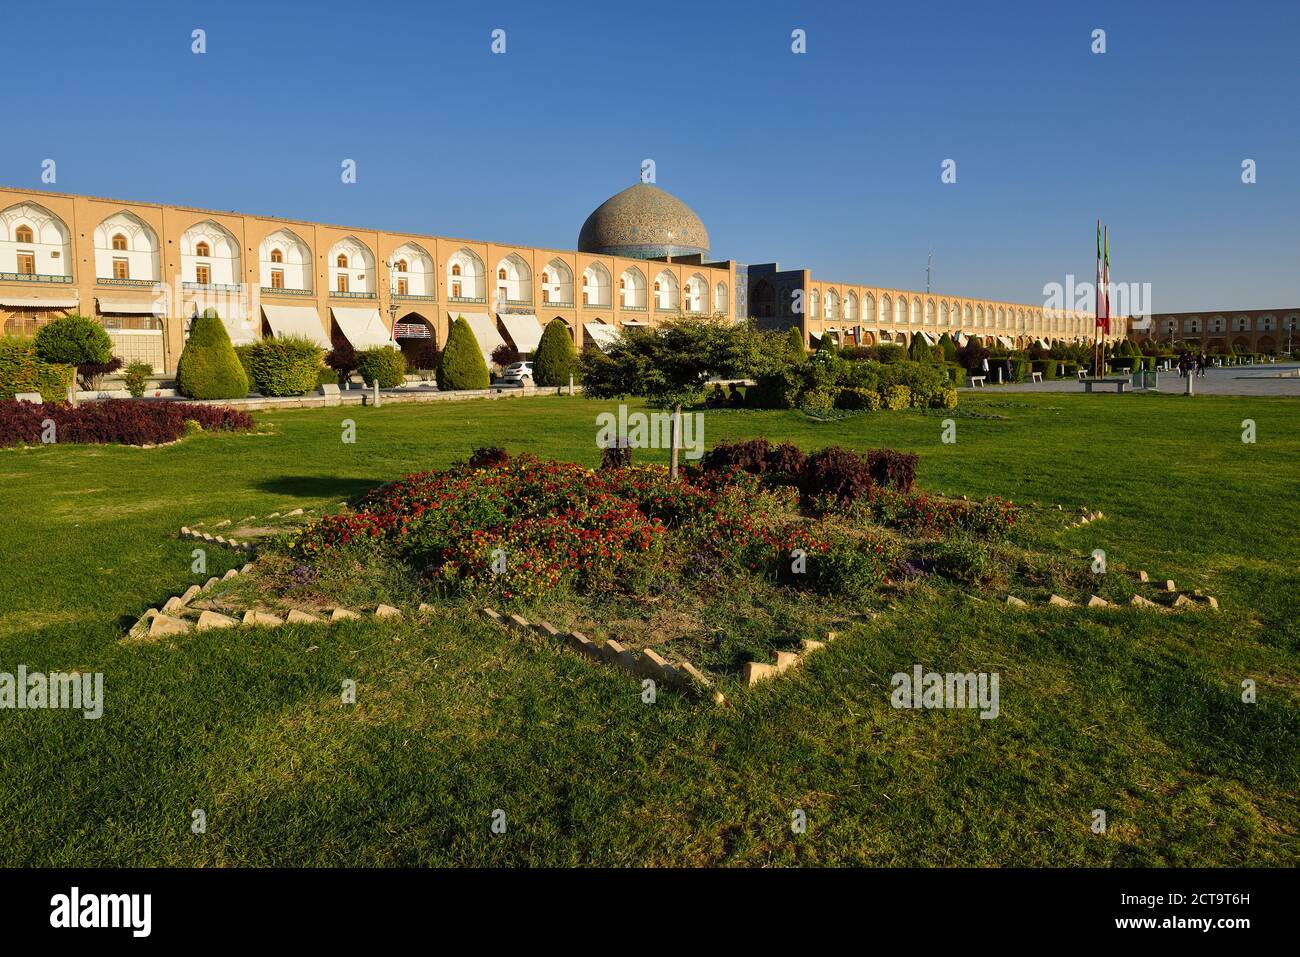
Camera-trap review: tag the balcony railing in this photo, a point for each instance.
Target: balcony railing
(519, 302)
(672, 309)
(107, 281)
(335, 294)
(213, 286)
(632, 308)
(558, 304)
(32, 277)
(408, 297)
(282, 291)
(482, 299)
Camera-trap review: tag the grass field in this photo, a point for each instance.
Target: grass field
(1137, 713)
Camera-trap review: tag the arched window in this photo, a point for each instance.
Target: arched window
(455, 269)
(656, 286)
(546, 277)
(622, 284)
(401, 265)
(342, 261)
(202, 249)
(23, 234)
(277, 256)
(119, 241)
(501, 274)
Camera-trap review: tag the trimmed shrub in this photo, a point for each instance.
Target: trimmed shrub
(555, 359)
(137, 377)
(208, 367)
(326, 377)
(74, 340)
(944, 399)
(818, 401)
(383, 365)
(284, 366)
(773, 390)
(461, 365)
(115, 421)
(835, 472)
(421, 354)
(21, 370)
(795, 345)
(897, 397)
(506, 354)
(858, 400)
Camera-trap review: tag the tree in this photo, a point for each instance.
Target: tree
(555, 359)
(78, 341)
(208, 367)
(461, 365)
(670, 365)
(949, 347)
(919, 350)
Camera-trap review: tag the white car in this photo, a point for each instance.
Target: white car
(516, 373)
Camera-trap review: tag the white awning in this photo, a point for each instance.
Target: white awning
(524, 329)
(362, 326)
(130, 307)
(1005, 341)
(484, 329)
(296, 321)
(62, 303)
(635, 323)
(929, 339)
(604, 336)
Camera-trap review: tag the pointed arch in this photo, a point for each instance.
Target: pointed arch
(284, 262)
(465, 280)
(220, 265)
(126, 250)
(631, 289)
(557, 283)
(595, 285)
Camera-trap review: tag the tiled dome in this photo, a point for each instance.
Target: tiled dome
(643, 221)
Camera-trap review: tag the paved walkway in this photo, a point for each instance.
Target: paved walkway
(1235, 380)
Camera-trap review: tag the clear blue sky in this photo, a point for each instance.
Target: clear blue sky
(828, 160)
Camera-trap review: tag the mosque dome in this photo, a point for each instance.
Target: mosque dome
(643, 222)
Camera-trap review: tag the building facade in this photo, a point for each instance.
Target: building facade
(1248, 330)
(146, 269)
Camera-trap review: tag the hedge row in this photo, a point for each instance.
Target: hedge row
(836, 471)
(21, 370)
(123, 421)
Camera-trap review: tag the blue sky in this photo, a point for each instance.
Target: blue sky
(828, 160)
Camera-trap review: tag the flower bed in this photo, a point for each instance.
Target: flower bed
(124, 421)
(522, 527)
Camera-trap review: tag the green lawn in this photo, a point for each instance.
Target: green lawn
(1138, 713)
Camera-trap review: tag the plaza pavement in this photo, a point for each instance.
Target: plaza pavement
(1235, 380)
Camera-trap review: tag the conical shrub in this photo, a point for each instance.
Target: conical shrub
(555, 359)
(461, 365)
(208, 367)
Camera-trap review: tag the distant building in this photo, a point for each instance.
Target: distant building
(146, 269)
(1249, 330)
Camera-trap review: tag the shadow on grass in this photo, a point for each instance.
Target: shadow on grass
(319, 486)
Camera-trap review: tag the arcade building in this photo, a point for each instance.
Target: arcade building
(145, 270)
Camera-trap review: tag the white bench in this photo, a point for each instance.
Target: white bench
(1035, 377)
(1083, 374)
(977, 380)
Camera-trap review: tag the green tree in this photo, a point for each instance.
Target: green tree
(461, 365)
(208, 367)
(74, 340)
(949, 348)
(919, 350)
(670, 365)
(555, 359)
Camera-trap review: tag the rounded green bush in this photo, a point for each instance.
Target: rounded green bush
(382, 364)
(284, 366)
(75, 341)
(897, 397)
(461, 365)
(818, 401)
(555, 359)
(208, 367)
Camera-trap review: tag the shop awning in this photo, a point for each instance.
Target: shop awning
(604, 336)
(361, 326)
(296, 321)
(1006, 342)
(484, 329)
(635, 323)
(524, 330)
(129, 307)
(60, 303)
